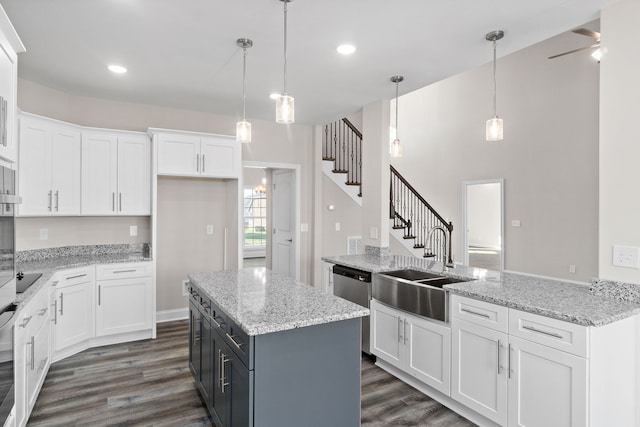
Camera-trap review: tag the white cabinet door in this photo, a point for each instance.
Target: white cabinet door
(479, 369)
(65, 171)
(99, 173)
(75, 317)
(428, 353)
(546, 387)
(34, 170)
(220, 157)
(179, 155)
(38, 363)
(386, 334)
(8, 89)
(134, 175)
(124, 305)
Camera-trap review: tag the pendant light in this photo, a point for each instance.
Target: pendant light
(243, 128)
(494, 125)
(395, 150)
(284, 102)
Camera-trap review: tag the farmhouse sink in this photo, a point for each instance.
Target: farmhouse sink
(411, 274)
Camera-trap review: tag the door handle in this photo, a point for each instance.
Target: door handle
(222, 359)
(120, 200)
(197, 162)
(113, 202)
(49, 195)
(61, 302)
(99, 294)
(55, 312)
(203, 164)
(57, 200)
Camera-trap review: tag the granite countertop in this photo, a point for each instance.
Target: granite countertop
(262, 302)
(557, 299)
(50, 261)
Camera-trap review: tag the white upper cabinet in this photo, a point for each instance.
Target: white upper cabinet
(116, 173)
(49, 168)
(10, 45)
(197, 154)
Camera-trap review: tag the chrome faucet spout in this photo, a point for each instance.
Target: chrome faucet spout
(427, 249)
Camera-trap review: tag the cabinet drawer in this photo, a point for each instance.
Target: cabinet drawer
(553, 333)
(239, 341)
(481, 313)
(75, 276)
(35, 313)
(117, 271)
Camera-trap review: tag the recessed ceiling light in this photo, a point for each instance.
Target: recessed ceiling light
(346, 49)
(274, 95)
(118, 69)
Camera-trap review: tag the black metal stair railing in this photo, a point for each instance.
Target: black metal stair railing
(342, 144)
(411, 212)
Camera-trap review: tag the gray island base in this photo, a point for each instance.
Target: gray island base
(266, 350)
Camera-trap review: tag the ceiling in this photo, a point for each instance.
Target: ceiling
(183, 53)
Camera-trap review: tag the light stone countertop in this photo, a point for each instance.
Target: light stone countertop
(547, 297)
(262, 302)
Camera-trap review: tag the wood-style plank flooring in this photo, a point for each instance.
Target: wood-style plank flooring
(148, 383)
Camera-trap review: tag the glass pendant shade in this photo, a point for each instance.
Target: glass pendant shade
(494, 129)
(243, 132)
(395, 150)
(285, 109)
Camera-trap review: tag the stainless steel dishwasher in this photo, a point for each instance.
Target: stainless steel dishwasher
(355, 286)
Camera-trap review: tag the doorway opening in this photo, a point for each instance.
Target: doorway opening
(483, 220)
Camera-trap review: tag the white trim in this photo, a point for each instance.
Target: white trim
(171, 315)
(465, 235)
(297, 176)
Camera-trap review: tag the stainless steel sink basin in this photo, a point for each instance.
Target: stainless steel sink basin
(415, 291)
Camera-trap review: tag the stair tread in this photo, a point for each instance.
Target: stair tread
(399, 227)
(408, 237)
(340, 171)
(418, 246)
(429, 255)
(331, 159)
(352, 183)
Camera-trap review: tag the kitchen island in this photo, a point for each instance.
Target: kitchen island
(267, 350)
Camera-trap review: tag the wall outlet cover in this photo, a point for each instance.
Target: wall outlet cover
(185, 288)
(44, 234)
(337, 226)
(209, 229)
(626, 256)
(304, 227)
(133, 230)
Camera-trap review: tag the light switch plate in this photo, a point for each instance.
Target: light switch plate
(209, 229)
(337, 226)
(44, 234)
(626, 256)
(373, 232)
(133, 230)
(304, 227)
(515, 223)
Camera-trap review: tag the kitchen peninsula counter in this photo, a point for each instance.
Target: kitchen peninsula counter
(552, 298)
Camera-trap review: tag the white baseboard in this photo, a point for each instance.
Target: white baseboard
(171, 315)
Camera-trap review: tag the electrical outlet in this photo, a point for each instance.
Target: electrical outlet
(44, 234)
(185, 288)
(515, 223)
(133, 230)
(626, 256)
(304, 227)
(209, 229)
(572, 268)
(337, 226)
(373, 232)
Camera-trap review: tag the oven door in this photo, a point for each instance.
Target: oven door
(6, 363)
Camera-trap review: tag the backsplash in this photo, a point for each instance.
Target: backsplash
(66, 251)
(618, 290)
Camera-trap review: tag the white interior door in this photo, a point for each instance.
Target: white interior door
(283, 247)
(483, 224)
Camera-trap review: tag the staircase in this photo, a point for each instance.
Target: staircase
(414, 222)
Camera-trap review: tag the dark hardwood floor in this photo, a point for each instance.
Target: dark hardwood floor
(148, 383)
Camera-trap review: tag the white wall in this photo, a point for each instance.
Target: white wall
(347, 213)
(548, 159)
(619, 136)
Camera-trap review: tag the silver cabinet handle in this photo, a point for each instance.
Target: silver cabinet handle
(509, 362)
(57, 199)
(43, 311)
(120, 201)
(203, 167)
(113, 202)
(54, 284)
(222, 359)
(218, 325)
(551, 334)
(25, 322)
(55, 312)
(33, 353)
(197, 162)
(61, 302)
(49, 195)
(233, 340)
(124, 271)
(406, 336)
(76, 276)
(498, 356)
(99, 294)
(475, 313)
(400, 337)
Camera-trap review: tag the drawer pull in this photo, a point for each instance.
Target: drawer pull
(76, 276)
(43, 311)
(222, 359)
(218, 325)
(125, 271)
(33, 352)
(232, 338)
(54, 283)
(551, 334)
(475, 313)
(55, 312)
(25, 322)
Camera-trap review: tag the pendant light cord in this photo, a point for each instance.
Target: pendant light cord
(397, 82)
(285, 46)
(244, 77)
(495, 84)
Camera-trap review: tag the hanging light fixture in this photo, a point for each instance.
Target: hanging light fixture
(494, 125)
(284, 102)
(395, 149)
(243, 127)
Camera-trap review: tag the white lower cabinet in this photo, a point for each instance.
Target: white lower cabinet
(31, 353)
(124, 298)
(73, 300)
(417, 346)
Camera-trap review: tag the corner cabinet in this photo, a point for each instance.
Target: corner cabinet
(197, 154)
(10, 46)
(116, 173)
(49, 167)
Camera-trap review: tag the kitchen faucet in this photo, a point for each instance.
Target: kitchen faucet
(428, 251)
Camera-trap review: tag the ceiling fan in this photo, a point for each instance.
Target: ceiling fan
(589, 33)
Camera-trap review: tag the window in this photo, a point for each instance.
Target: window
(255, 217)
